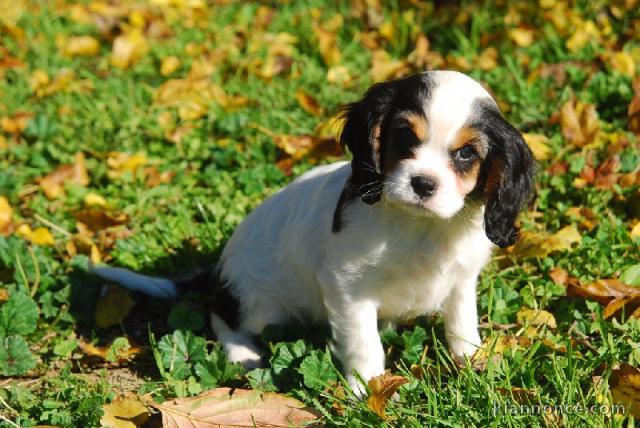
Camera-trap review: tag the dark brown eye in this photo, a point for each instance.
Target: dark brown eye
(466, 153)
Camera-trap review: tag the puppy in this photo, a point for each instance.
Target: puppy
(437, 178)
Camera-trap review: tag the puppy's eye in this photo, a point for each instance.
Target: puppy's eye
(466, 153)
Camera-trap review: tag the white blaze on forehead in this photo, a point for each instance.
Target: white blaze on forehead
(450, 104)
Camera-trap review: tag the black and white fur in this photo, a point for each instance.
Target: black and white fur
(401, 230)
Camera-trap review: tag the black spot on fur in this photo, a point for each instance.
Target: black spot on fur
(376, 134)
(506, 176)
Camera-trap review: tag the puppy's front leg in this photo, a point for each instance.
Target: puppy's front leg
(461, 320)
(356, 342)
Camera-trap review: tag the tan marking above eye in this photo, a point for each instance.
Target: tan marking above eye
(418, 124)
(466, 136)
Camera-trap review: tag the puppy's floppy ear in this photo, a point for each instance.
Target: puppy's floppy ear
(509, 172)
(361, 135)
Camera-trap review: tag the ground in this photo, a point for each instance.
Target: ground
(140, 134)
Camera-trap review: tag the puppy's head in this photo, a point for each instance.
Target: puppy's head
(432, 142)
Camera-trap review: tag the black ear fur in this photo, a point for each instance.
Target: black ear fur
(361, 135)
(509, 173)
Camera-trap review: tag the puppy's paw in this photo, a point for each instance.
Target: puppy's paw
(246, 354)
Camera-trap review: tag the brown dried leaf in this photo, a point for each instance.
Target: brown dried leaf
(579, 123)
(53, 183)
(559, 276)
(97, 218)
(540, 244)
(624, 384)
(309, 104)
(15, 124)
(630, 303)
(606, 175)
(108, 353)
(602, 290)
(113, 307)
(125, 412)
(382, 389)
(234, 407)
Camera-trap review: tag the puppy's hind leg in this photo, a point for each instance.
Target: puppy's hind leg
(238, 345)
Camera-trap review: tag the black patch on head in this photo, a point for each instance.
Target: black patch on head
(507, 173)
(376, 133)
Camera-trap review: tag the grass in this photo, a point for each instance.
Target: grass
(220, 158)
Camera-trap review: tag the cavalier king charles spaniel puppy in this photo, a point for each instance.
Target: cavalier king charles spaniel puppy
(437, 179)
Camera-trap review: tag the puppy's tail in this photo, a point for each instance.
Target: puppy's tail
(163, 288)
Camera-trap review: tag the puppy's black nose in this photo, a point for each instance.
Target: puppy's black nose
(424, 186)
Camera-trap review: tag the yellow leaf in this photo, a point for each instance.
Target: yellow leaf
(125, 412)
(579, 123)
(623, 62)
(53, 183)
(338, 75)
(39, 79)
(93, 199)
(535, 318)
(382, 389)
(81, 46)
(488, 59)
(12, 10)
(538, 145)
(584, 32)
(113, 307)
(328, 45)
(539, 244)
(39, 236)
(122, 163)
(6, 212)
(308, 103)
(521, 36)
(635, 231)
(383, 67)
(169, 65)
(128, 48)
(624, 384)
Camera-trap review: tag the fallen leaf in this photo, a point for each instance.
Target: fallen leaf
(522, 37)
(6, 213)
(92, 199)
(40, 236)
(584, 32)
(493, 348)
(12, 10)
(128, 48)
(169, 65)
(113, 306)
(419, 57)
(234, 407)
(519, 395)
(606, 174)
(125, 412)
(4, 295)
(53, 183)
(559, 276)
(81, 46)
(629, 303)
(338, 75)
(488, 59)
(309, 104)
(536, 318)
(15, 124)
(118, 351)
(602, 290)
(382, 389)
(96, 218)
(538, 145)
(328, 45)
(383, 67)
(122, 163)
(579, 123)
(623, 62)
(313, 148)
(624, 385)
(635, 231)
(540, 244)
